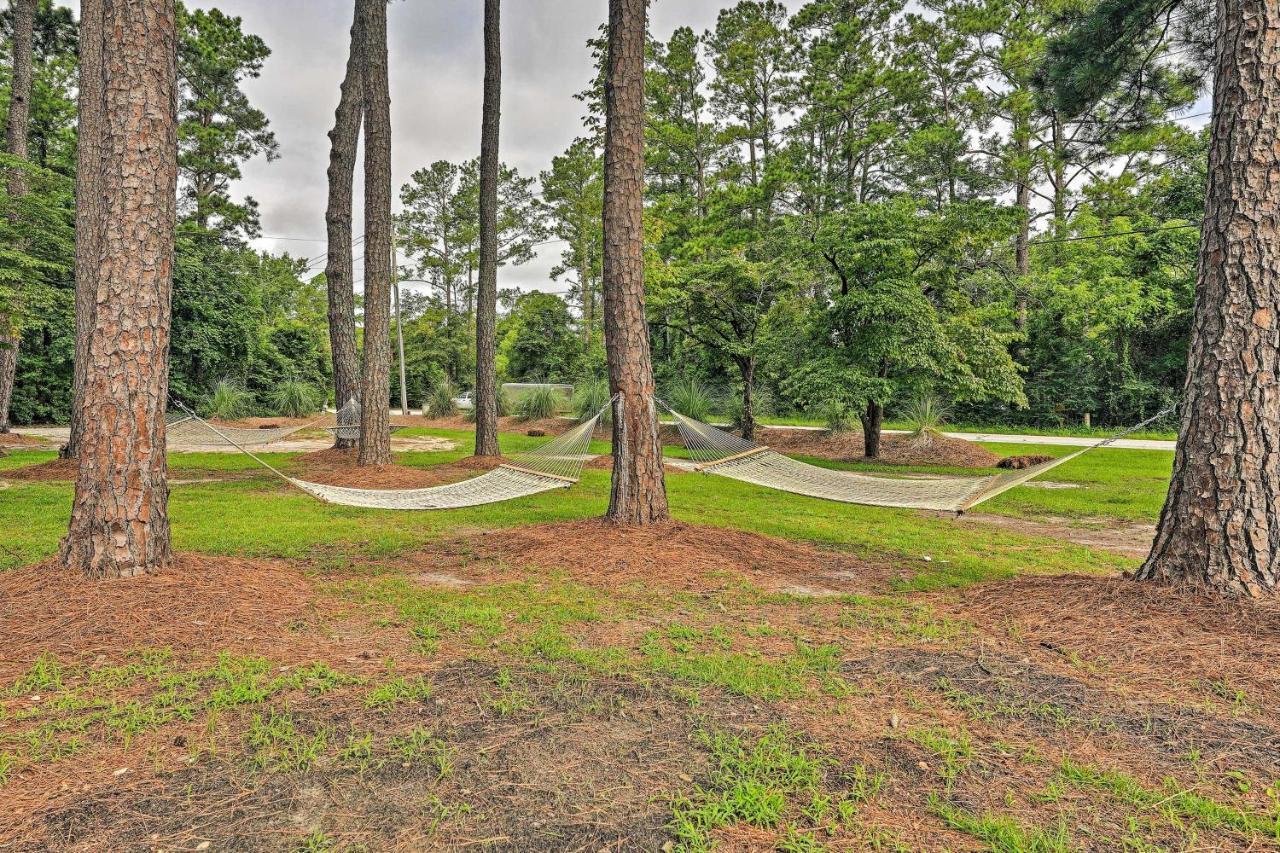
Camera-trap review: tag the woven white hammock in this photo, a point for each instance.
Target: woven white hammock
(187, 431)
(727, 455)
(554, 465)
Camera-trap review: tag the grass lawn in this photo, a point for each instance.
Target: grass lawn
(768, 672)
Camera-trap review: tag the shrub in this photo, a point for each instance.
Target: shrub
(537, 404)
(228, 401)
(295, 399)
(925, 417)
(440, 402)
(504, 406)
(838, 417)
(690, 398)
(761, 404)
(590, 397)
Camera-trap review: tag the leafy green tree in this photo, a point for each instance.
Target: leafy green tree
(573, 198)
(219, 128)
(897, 321)
(722, 305)
(537, 340)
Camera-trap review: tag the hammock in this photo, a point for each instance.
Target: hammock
(184, 432)
(348, 422)
(554, 465)
(725, 454)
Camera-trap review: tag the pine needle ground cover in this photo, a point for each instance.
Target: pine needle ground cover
(766, 672)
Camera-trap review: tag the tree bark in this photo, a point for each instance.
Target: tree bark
(343, 142)
(1220, 527)
(639, 494)
(747, 367)
(24, 13)
(872, 423)
(119, 516)
(486, 396)
(89, 206)
(375, 397)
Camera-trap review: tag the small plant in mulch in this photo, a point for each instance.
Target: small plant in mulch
(1018, 463)
(925, 417)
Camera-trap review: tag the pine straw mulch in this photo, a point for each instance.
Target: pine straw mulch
(17, 439)
(672, 556)
(1152, 639)
(894, 449)
(334, 467)
(197, 603)
(55, 470)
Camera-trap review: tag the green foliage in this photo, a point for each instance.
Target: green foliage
(536, 341)
(295, 399)
(690, 398)
(925, 416)
(837, 416)
(441, 401)
(589, 397)
(538, 403)
(228, 401)
(504, 405)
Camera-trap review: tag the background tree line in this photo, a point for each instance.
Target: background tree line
(848, 207)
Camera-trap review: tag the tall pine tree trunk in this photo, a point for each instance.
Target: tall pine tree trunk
(639, 494)
(119, 516)
(375, 396)
(1220, 527)
(343, 142)
(486, 396)
(89, 205)
(24, 12)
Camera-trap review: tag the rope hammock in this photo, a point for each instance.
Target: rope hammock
(554, 465)
(186, 431)
(348, 423)
(728, 455)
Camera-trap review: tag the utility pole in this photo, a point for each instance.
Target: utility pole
(395, 288)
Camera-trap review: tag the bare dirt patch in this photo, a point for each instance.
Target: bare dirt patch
(672, 555)
(338, 468)
(894, 449)
(1133, 540)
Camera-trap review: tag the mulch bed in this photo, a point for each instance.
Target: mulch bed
(17, 439)
(673, 555)
(198, 603)
(55, 470)
(338, 468)
(894, 449)
(1144, 631)
(1019, 463)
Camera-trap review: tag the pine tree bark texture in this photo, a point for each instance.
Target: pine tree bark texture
(344, 140)
(639, 494)
(88, 205)
(24, 13)
(1220, 527)
(375, 393)
(486, 396)
(119, 516)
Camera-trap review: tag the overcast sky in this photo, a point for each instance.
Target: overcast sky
(436, 74)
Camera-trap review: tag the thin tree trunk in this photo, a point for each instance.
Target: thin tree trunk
(584, 285)
(89, 206)
(486, 396)
(1022, 244)
(24, 12)
(872, 423)
(343, 142)
(639, 494)
(375, 397)
(119, 516)
(748, 370)
(1220, 527)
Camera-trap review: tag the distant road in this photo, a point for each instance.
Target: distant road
(1001, 438)
(60, 434)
